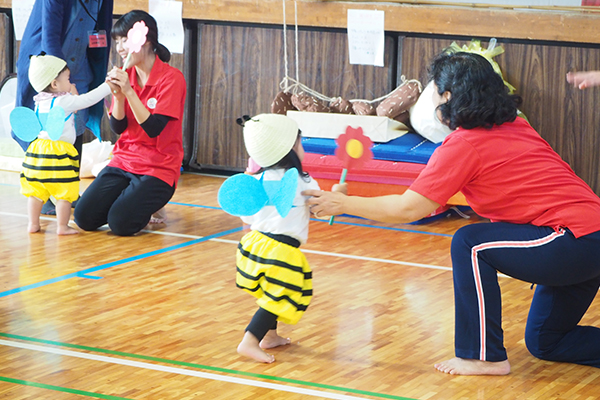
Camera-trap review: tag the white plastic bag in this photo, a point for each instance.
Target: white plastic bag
(424, 120)
(95, 156)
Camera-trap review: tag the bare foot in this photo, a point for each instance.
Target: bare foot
(159, 217)
(33, 228)
(249, 347)
(272, 339)
(66, 230)
(463, 366)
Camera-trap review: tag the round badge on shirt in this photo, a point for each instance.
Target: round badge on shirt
(151, 103)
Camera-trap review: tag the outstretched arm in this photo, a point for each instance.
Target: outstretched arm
(408, 207)
(584, 79)
(79, 102)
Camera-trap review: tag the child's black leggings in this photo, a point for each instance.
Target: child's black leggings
(261, 323)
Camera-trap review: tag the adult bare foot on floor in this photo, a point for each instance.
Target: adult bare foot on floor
(159, 217)
(463, 366)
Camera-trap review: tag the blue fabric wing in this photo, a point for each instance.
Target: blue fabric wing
(242, 195)
(55, 123)
(25, 123)
(282, 193)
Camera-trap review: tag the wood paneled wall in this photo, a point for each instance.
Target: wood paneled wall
(241, 67)
(6, 46)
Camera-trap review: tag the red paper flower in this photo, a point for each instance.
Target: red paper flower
(354, 148)
(136, 37)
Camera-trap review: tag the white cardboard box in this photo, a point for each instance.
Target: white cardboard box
(330, 125)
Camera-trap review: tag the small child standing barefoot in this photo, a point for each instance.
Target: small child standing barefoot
(51, 167)
(270, 265)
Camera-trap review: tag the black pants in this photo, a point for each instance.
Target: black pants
(79, 146)
(261, 323)
(566, 271)
(124, 200)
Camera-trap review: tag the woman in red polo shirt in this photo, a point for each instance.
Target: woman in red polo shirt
(545, 225)
(147, 113)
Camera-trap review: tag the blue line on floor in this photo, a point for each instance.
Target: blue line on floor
(343, 223)
(84, 273)
(388, 228)
(194, 205)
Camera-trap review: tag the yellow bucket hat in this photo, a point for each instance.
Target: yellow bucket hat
(43, 69)
(269, 138)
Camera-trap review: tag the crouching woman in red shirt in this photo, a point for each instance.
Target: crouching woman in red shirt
(545, 225)
(147, 113)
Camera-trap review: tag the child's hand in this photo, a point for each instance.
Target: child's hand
(340, 187)
(73, 90)
(121, 79)
(115, 89)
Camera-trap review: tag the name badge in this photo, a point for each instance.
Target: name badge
(97, 39)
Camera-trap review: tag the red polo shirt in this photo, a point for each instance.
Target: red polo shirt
(161, 157)
(509, 173)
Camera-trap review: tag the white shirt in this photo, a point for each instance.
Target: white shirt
(295, 224)
(71, 103)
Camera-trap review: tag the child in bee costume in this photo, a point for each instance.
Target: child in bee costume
(51, 164)
(270, 265)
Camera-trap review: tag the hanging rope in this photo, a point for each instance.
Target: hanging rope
(284, 83)
(294, 86)
(296, 36)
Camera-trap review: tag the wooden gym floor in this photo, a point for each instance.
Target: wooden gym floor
(157, 316)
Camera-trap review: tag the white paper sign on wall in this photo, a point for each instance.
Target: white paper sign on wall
(366, 38)
(168, 16)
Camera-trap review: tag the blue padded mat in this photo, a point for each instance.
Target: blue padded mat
(410, 147)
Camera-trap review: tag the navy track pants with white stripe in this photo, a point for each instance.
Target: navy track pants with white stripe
(566, 271)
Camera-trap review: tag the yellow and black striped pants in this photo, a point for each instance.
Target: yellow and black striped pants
(51, 168)
(276, 273)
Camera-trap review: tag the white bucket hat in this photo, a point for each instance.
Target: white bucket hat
(43, 69)
(269, 138)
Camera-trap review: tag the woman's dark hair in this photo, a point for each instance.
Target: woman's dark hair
(289, 161)
(125, 23)
(479, 97)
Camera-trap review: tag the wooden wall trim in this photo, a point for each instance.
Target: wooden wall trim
(562, 26)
